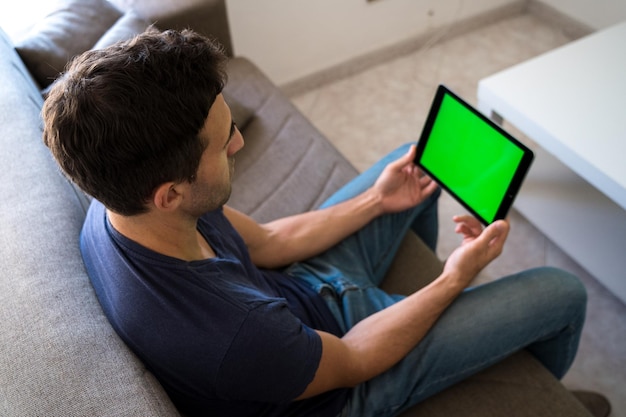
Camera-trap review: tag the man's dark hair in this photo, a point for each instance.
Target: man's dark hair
(125, 119)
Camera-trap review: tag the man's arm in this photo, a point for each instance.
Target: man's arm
(284, 241)
(381, 340)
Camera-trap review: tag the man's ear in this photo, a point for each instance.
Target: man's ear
(167, 196)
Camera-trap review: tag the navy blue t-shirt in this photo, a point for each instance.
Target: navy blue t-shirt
(222, 336)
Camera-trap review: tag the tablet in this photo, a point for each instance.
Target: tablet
(471, 157)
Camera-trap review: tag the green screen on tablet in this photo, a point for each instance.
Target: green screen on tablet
(475, 160)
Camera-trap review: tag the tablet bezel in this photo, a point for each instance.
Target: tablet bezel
(518, 177)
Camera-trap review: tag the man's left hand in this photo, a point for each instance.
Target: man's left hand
(402, 185)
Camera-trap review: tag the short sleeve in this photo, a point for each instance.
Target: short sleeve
(273, 358)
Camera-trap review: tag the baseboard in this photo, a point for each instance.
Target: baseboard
(571, 27)
(386, 54)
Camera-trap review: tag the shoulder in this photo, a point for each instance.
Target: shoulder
(95, 240)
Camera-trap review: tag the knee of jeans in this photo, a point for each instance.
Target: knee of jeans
(565, 285)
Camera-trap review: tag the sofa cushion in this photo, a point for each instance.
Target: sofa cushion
(126, 27)
(286, 165)
(73, 27)
(207, 17)
(517, 386)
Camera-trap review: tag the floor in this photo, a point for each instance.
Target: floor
(372, 112)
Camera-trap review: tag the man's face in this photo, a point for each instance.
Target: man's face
(212, 187)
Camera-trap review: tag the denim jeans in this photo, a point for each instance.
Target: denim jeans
(541, 310)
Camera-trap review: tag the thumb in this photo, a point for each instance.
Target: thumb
(405, 159)
(409, 156)
(495, 235)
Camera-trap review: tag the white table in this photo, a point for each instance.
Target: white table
(572, 103)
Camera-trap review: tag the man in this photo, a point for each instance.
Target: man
(241, 319)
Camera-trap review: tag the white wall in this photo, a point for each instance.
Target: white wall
(290, 39)
(597, 14)
(16, 17)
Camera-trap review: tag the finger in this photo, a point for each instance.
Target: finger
(411, 170)
(466, 218)
(405, 159)
(411, 152)
(495, 235)
(429, 189)
(471, 225)
(462, 229)
(425, 181)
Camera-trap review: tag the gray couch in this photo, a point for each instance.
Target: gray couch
(58, 354)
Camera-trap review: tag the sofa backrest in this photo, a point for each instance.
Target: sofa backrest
(58, 354)
(207, 17)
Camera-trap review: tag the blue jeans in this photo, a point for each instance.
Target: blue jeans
(541, 310)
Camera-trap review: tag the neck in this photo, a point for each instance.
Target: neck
(169, 235)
